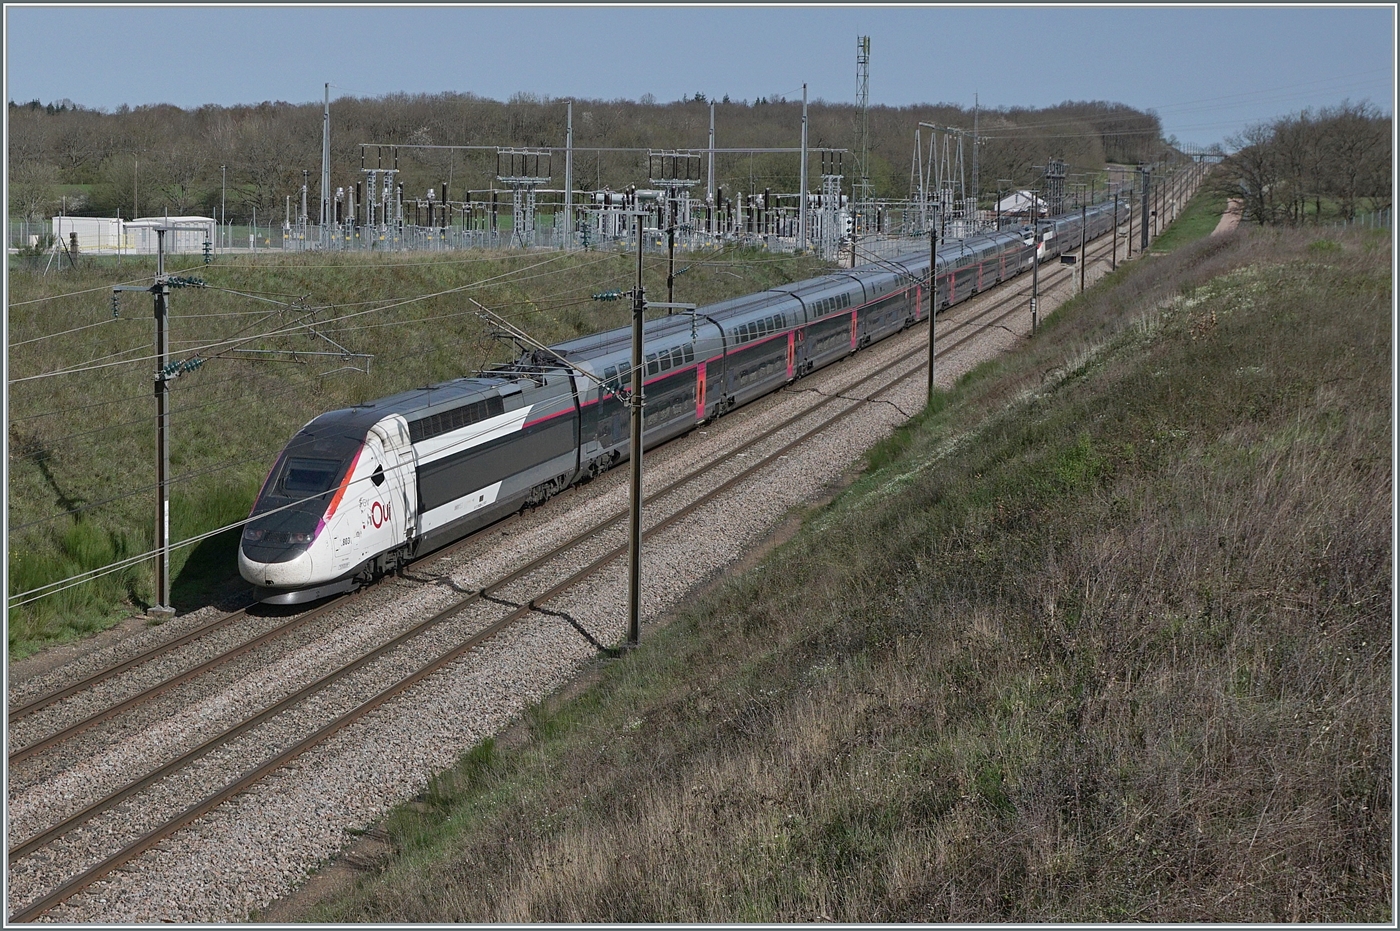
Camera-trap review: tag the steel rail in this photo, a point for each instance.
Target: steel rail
(254, 776)
(22, 711)
(60, 736)
(150, 838)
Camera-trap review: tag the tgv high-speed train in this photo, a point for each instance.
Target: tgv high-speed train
(360, 491)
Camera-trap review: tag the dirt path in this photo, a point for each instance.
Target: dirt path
(1230, 218)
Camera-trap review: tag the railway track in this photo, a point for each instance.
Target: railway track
(830, 409)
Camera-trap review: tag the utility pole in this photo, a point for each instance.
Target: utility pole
(326, 170)
(710, 174)
(671, 262)
(932, 301)
(1035, 261)
(569, 178)
(165, 373)
(1113, 265)
(223, 198)
(1130, 224)
(976, 189)
(802, 182)
(1146, 205)
(162, 606)
(634, 575)
(1159, 218)
(1083, 239)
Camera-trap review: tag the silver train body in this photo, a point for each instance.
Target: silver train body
(360, 491)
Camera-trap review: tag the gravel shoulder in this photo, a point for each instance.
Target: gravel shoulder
(254, 854)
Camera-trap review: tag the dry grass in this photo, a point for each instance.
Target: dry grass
(1122, 652)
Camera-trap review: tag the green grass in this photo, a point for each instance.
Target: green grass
(82, 445)
(1122, 653)
(1197, 220)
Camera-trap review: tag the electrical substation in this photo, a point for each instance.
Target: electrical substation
(531, 204)
(513, 197)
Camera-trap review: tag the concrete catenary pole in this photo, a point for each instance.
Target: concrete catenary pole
(1083, 239)
(932, 301)
(634, 574)
(1035, 260)
(710, 175)
(802, 181)
(1130, 224)
(569, 178)
(1146, 207)
(162, 387)
(326, 170)
(1113, 265)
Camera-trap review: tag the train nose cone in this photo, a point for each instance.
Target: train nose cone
(294, 573)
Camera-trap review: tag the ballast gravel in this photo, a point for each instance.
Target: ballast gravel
(259, 845)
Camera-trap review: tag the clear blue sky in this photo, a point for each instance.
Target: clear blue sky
(1207, 71)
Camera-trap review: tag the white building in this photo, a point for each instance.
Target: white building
(187, 234)
(95, 234)
(1020, 204)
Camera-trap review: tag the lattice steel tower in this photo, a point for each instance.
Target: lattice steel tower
(1055, 187)
(862, 193)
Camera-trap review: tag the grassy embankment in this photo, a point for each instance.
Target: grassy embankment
(1104, 634)
(82, 446)
(1198, 219)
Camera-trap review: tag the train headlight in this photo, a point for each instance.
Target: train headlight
(276, 537)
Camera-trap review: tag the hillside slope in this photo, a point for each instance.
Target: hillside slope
(1104, 634)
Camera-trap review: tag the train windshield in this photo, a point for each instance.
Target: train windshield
(308, 476)
(309, 469)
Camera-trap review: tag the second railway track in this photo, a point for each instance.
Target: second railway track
(218, 757)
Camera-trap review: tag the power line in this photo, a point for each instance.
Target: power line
(296, 327)
(137, 491)
(87, 326)
(54, 297)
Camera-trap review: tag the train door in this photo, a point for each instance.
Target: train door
(791, 353)
(700, 392)
(395, 491)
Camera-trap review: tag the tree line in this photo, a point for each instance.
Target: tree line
(149, 160)
(1311, 165)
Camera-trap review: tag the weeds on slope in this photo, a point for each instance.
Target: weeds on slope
(1105, 636)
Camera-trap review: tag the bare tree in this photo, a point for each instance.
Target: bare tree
(1251, 174)
(1356, 143)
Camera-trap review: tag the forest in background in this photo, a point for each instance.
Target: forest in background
(1311, 166)
(161, 159)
